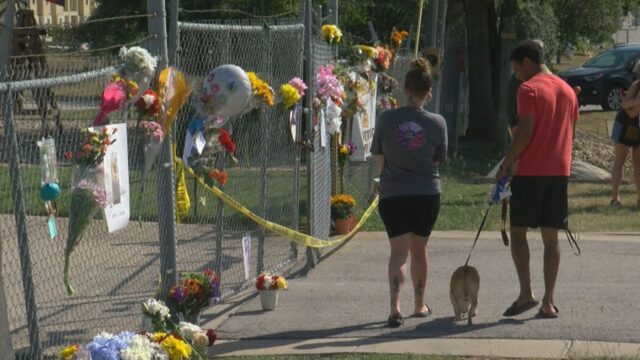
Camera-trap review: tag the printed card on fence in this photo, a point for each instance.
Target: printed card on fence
(116, 179)
(323, 129)
(246, 255)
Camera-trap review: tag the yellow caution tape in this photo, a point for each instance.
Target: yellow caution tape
(296, 236)
(183, 203)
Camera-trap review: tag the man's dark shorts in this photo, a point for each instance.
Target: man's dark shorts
(539, 201)
(409, 214)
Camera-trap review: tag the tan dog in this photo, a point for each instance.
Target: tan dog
(465, 284)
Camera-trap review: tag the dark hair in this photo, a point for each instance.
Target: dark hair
(418, 78)
(528, 49)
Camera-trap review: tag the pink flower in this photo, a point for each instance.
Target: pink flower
(329, 86)
(299, 84)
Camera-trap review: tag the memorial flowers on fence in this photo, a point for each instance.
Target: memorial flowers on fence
(148, 106)
(266, 281)
(332, 34)
(88, 194)
(194, 292)
(260, 89)
(163, 340)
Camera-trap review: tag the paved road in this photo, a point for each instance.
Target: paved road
(344, 300)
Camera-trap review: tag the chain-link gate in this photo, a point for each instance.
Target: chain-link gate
(265, 177)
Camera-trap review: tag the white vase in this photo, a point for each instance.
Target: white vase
(269, 299)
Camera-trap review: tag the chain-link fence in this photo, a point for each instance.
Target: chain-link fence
(266, 179)
(112, 273)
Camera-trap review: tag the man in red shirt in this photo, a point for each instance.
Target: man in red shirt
(547, 110)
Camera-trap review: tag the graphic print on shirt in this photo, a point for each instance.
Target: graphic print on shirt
(410, 135)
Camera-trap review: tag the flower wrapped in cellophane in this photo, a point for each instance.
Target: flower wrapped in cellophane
(194, 292)
(152, 136)
(332, 34)
(260, 90)
(88, 194)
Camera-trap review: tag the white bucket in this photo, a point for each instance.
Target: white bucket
(269, 299)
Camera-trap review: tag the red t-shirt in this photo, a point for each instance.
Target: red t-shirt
(554, 107)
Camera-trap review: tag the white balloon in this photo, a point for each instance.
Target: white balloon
(226, 91)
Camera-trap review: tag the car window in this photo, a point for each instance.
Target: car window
(604, 60)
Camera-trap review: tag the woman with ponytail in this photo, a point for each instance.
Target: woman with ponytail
(409, 144)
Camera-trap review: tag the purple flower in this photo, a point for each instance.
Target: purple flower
(98, 192)
(352, 147)
(179, 294)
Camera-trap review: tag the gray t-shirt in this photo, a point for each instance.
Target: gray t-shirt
(411, 140)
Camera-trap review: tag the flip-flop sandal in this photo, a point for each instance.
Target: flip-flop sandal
(423, 314)
(516, 309)
(395, 321)
(542, 315)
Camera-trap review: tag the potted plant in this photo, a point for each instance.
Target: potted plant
(193, 293)
(268, 286)
(342, 206)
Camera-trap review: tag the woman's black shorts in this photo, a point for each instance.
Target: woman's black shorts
(539, 201)
(409, 214)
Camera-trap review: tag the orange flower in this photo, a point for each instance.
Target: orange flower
(220, 176)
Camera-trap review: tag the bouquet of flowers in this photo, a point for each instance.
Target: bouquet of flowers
(344, 151)
(260, 90)
(342, 206)
(88, 195)
(139, 66)
(162, 339)
(290, 95)
(386, 100)
(332, 34)
(148, 106)
(196, 291)
(398, 37)
(328, 85)
(266, 281)
(115, 96)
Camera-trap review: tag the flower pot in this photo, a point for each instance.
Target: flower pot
(344, 225)
(269, 299)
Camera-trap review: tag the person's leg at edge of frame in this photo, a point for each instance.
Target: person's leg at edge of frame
(419, 249)
(620, 151)
(520, 256)
(397, 270)
(551, 266)
(635, 156)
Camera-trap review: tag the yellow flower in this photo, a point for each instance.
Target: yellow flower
(332, 34)
(344, 150)
(282, 283)
(344, 199)
(260, 88)
(176, 348)
(290, 95)
(69, 353)
(370, 51)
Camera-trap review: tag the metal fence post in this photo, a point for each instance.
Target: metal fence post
(166, 183)
(174, 33)
(308, 72)
(35, 348)
(6, 347)
(268, 54)
(7, 34)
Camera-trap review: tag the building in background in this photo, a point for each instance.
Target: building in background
(73, 11)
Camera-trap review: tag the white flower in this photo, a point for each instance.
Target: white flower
(200, 340)
(148, 100)
(139, 349)
(158, 352)
(334, 126)
(153, 307)
(188, 330)
(505, 194)
(138, 60)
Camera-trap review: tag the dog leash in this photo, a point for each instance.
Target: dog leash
(501, 186)
(478, 233)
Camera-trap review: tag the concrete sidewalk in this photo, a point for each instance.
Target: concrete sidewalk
(342, 305)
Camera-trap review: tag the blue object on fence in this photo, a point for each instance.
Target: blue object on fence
(500, 187)
(50, 191)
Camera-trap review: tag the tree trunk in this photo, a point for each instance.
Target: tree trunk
(507, 36)
(481, 100)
